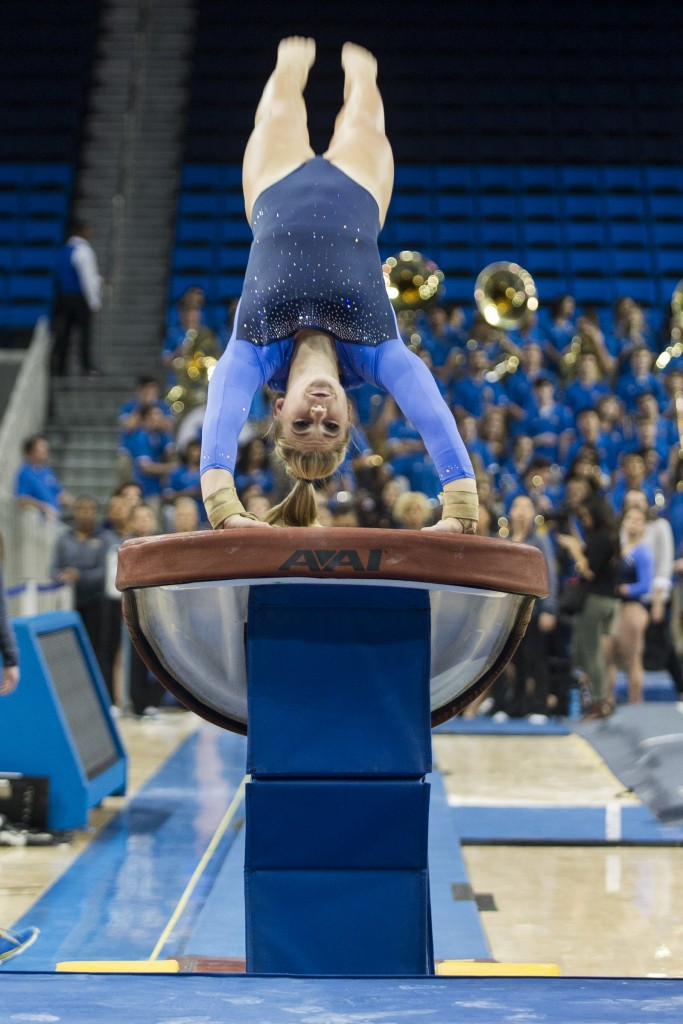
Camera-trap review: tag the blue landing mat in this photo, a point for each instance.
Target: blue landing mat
(626, 826)
(116, 899)
(642, 744)
(238, 999)
(484, 726)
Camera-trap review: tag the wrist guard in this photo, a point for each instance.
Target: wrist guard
(463, 506)
(224, 503)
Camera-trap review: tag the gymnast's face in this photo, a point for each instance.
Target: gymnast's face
(314, 414)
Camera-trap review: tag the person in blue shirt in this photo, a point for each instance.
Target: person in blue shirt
(561, 331)
(636, 580)
(78, 295)
(550, 425)
(589, 432)
(36, 483)
(475, 392)
(519, 385)
(151, 450)
(631, 477)
(184, 480)
(639, 379)
(586, 391)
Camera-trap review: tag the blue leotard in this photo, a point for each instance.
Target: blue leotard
(314, 262)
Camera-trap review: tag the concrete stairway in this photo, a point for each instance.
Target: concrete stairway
(127, 188)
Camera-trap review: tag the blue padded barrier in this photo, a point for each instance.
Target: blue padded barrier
(353, 696)
(317, 824)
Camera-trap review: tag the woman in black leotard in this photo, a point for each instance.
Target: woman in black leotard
(314, 317)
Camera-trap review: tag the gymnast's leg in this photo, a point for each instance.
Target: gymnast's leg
(279, 142)
(359, 146)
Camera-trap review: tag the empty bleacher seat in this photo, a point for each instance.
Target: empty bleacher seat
(586, 233)
(624, 206)
(636, 261)
(579, 179)
(622, 179)
(663, 179)
(538, 180)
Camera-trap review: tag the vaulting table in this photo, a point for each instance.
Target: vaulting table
(334, 650)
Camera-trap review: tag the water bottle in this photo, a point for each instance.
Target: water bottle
(574, 703)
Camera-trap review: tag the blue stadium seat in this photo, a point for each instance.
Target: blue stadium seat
(233, 259)
(43, 232)
(579, 178)
(412, 176)
(457, 261)
(592, 291)
(230, 176)
(455, 204)
(47, 204)
(193, 259)
(226, 287)
(190, 231)
(621, 205)
(582, 206)
(200, 178)
(34, 288)
(416, 204)
(12, 176)
(455, 231)
(665, 206)
(622, 179)
(667, 234)
(539, 207)
(663, 179)
(233, 229)
(6, 258)
(496, 178)
(459, 287)
(589, 262)
(492, 205)
(497, 233)
(669, 261)
(546, 260)
(628, 232)
(36, 258)
(642, 289)
(542, 233)
(57, 177)
(10, 204)
(232, 204)
(635, 261)
(496, 254)
(9, 229)
(537, 179)
(585, 232)
(198, 205)
(458, 178)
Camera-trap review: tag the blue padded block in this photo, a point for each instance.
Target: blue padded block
(380, 927)
(349, 825)
(338, 678)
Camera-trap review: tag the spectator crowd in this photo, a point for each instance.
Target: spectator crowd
(574, 430)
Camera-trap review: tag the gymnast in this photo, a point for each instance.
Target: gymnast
(314, 317)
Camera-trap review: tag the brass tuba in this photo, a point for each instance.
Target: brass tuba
(413, 282)
(675, 347)
(504, 293)
(193, 368)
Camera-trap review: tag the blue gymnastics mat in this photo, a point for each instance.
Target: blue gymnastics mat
(215, 999)
(484, 726)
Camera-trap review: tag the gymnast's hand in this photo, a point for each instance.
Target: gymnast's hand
(238, 522)
(446, 526)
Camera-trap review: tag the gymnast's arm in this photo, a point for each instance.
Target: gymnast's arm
(238, 375)
(407, 379)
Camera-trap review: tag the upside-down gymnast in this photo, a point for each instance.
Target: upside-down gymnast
(314, 317)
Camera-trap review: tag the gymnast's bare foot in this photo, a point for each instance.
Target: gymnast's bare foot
(356, 60)
(296, 53)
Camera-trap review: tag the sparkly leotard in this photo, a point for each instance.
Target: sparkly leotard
(315, 262)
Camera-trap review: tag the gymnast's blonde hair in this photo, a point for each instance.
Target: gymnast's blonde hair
(299, 507)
